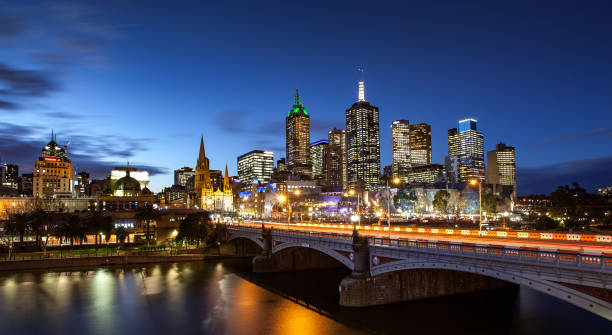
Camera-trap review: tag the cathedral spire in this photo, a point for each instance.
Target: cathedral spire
(226, 182)
(202, 154)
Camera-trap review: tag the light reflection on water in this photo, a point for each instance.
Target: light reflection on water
(216, 298)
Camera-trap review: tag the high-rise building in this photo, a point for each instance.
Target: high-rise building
(471, 151)
(363, 143)
(428, 173)
(10, 175)
(453, 142)
(420, 144)
(26, 183)
(400, 149)
(335, 160)
(82, 183)
(255, 166)
(317, 157)
(502, 166)
(451, 165)
(53, 172)
(297, 128)
(184, 177)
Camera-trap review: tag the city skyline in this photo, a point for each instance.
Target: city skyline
(87, 78)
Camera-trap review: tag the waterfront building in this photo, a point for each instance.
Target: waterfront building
(184, 177)
(318, 150)
(400, 149)
(428, 173)
(53, 172)
(502, 167)
(297, 127)
(255, 166)
(420, 144)
(363, 143)
(209, 198)
(471, 151)
(126, 192)
(335, 160)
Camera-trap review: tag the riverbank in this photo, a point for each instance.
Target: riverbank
(58, 263)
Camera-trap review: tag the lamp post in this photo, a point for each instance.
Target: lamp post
(395, 181)
(474, 182)
(352, 192)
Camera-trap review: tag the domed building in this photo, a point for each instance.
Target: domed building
(126, 192)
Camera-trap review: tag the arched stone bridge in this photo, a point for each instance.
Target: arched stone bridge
(391, 270)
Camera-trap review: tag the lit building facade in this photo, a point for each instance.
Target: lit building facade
(502, 166)
(208, 197)
(297, 126)
(335, 161)
(53, 173)
(9, 175)
(428, 173)
(184, 177)
(453, 142)
(420, 144)
(82, 183)
(471, 151)
(255, 166)
(363, 143)
(400, 149)
(317, 157)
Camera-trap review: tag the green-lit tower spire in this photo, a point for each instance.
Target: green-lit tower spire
(298, 107)
(297, 126)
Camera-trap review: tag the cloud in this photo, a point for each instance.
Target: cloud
(579, 135)
(589, 173)
(79, 44)
(16, 84)
(96, 154)
(13, 25)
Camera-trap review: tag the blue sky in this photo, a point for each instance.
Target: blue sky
(142, 81)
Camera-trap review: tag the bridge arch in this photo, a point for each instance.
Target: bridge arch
(329, 252)
(559, 291)
(257, 241)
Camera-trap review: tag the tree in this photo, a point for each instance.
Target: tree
(121, 233)
(42, 224)
(456, 205)
(97, 222)
(71, 228)
(147, 214)
(545, 223)
(404, 199)
(440, 202)
(17, 225)
(489, 203)
(196, 228)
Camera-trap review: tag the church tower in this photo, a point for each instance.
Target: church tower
(202, 183)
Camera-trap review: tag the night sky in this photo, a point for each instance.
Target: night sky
(143, 80)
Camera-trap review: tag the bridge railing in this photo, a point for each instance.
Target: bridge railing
(565, 258)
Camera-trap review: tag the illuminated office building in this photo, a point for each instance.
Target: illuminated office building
(335, 161)
(400, 149)
(53, 172)
(420, 144)
(428, 173)
(502, 166)
(471, 151)
(453, 142)
(82, 183)
(317, 157)
(363, 143)
(184, 177)
(255, 166)
(297, 128)
(9, 175)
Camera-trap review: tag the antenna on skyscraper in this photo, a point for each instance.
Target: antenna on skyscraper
(361, 89)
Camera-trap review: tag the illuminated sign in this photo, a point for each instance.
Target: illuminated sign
(51, 159)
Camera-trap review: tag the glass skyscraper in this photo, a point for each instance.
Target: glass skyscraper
(363, 143)
(420, 144)
(256, 165)
(317, 157)
(502, 166)
(471, 151)
(400, 149)
(335, 161)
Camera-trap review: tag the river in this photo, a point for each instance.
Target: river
(225, 298)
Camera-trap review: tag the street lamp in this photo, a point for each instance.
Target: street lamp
(396, 181)
(474, 182)
(352, 192)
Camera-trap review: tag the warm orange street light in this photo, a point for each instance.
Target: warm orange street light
(396, 180)
(297, 192)
(281, 198)
(475, 181)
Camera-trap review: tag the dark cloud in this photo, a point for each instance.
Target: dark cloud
(94, 154)
(589, 173)
(79, 44)
(16, 84)
(579, 135)
(13, 25)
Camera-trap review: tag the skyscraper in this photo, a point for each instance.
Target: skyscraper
(255, 165)
(9, 175)
(363, 143)
(420, 144)
(502, 167)
(317, 157)
(53, 172)
(471, 151)
(400, 149)
(453, 142)
(297, 126)
(335, 161)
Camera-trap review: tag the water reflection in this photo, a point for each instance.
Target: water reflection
(225, 298)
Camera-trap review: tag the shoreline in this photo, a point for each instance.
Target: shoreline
(62, 263)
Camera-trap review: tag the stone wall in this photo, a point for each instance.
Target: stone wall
(412, 285)
(93, 261)
(294, 259)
